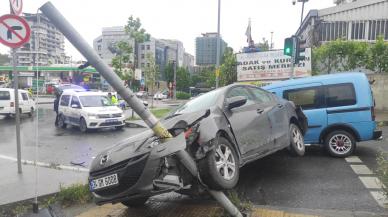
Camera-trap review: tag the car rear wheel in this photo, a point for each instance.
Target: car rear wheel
(83, 126)
(297, 146)
(138, 202)
(61, 122)
(119, 127)
(340, 143)
(31, 112)
(220, 168)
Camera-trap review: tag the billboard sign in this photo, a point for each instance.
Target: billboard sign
(270, 65)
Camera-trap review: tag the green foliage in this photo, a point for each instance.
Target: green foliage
(182, 79)
(151, 73)
(160, 113)
(4, 60)
(182, 95)
(263, 45)
(382, 170)
(341, 55)
(134, 29)
(121, 61)
(228, 69)
(74, 194)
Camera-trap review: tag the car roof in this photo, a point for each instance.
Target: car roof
(316, 79)
(82, 93)
(11, 89)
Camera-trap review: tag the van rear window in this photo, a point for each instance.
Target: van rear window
(307, 98)
(4, 95)
(340, 95)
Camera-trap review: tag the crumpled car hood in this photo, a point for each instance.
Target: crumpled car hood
(140, 143)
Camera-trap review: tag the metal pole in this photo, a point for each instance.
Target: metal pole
(301, 17)
(271, 46)
(84, 48)
(218, 44)
(175, 68)
(17, 114)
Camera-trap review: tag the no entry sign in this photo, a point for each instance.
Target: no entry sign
(16, 6)
(14, 31)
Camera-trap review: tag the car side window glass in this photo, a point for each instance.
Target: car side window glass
(75, 101)
(307, 98)
(25, 97)
(261, 95)
(240, 91)
(65, 100)
(340, 95)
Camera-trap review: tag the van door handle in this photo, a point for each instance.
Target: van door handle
(260, 111)
(280, 105)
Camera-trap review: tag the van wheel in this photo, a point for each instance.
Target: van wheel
(340, 143)
(83, 126)
(297, 146)
(31, 112)
(61, 122)
(220, 168)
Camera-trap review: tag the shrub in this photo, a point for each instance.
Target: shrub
(74, 194)
(182, 95)
(382, 170)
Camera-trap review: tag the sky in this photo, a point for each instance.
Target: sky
(183, 20)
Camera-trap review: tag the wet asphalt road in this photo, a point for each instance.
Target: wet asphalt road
(315, 181)
(58, 146)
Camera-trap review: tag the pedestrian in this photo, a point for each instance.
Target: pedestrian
(56, 105)
(112, 99)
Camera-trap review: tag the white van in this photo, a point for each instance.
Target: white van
(88, 110)
(7, 102)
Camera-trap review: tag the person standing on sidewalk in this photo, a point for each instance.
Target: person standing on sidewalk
(56, 105)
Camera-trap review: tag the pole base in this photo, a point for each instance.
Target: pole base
(40, 213)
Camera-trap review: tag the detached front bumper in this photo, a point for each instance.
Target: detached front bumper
(136, 175)
(378, 135)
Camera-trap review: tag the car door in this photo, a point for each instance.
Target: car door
(24, 102)
(277, 115)
(75, 110)
(311, 98)
(249, 122)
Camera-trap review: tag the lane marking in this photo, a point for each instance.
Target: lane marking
(361, 170)
(353, 159)
(46, 165)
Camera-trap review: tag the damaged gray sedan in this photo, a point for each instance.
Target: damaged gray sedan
(222, 131)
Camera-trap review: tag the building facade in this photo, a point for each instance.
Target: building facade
(105, 44)
(206, 49)
(350, 20)
(46, 45)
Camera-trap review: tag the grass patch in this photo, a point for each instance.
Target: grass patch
(74, 194)
(158, 112)
(382, 170)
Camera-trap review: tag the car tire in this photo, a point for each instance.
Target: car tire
(297, 146)
(119, 127)
(340, 143)
(138, 202)
(31, 112)
(83, 126)
(61, 122)
(226, 158)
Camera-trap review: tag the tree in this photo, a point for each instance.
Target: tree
(121, 62)
(151, 75)
(4, 60)
(228, 69)
(182, 79)
(263, 45)
(378, 56)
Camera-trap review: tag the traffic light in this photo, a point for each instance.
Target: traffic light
(301, 46)
(288, 46)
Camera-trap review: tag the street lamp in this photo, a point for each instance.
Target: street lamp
(303, 1)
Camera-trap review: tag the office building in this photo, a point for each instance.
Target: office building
(206, 49)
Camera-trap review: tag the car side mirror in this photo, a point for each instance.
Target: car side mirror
(236, 101)
(75, 106)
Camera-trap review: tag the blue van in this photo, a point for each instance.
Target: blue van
(339, 108)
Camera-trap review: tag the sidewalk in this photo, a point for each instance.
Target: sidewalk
(16, 187)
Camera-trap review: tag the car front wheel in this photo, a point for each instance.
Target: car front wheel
(61, 122)
(83, 126)
(220, 168)
(297, 146)
(340, 143)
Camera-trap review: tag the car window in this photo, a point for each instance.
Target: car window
(75, 101)
(95, 101)
(340, 95)
(241, 91)
(65, 100)
(24, 96)
(202, 102)
(261, 95)
(307, 98)
(4, 95)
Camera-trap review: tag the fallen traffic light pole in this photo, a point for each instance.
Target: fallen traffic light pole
(83, 47)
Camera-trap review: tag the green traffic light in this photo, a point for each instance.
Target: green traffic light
(288, 50)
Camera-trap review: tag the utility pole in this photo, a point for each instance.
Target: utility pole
(218, 45)
(175, 68)
(271, 46)
(17, 113)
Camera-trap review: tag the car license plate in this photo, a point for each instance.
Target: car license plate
(111, 120)
(104, 182)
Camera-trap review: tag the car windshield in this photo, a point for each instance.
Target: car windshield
(95, 101)
(202, 102)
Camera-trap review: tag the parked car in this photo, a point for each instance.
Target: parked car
(339, 108)
(88, 110)
(222, 130)
(161, 95)
(142, 94)
(7, 102)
